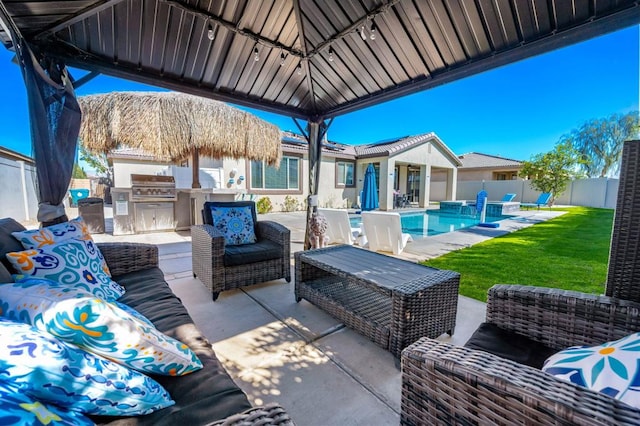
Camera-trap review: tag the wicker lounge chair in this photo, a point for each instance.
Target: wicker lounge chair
(221, 267)
(447, 384)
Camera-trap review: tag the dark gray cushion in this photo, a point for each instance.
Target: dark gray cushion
(5, 276)
(7, 241)
(509, 345)
(201, 397)
(251, 253)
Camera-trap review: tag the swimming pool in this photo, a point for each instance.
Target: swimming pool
(434, 222)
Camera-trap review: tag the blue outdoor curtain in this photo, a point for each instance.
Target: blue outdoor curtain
(369, 190)
(55, 118)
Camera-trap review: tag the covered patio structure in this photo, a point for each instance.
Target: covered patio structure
(311, 60)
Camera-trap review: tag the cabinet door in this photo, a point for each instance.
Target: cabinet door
(164, 216)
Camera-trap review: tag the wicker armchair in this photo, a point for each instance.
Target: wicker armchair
(213, 261)
(447, 384)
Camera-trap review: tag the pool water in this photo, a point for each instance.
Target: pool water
(433, 222)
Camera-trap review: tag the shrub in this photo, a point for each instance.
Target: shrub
(264, 205)
(290, 204)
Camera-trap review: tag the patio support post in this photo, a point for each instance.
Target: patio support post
(195, 169)
(315, 132)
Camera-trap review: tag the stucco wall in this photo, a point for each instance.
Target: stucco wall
(18, 191)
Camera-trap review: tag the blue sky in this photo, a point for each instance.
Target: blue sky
(515, 111)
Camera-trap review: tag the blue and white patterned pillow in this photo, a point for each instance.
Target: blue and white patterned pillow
(611, 368)
(235, 223)
(18, 409)
(96, 326)
(59, 373)
(71, 262)
(49, 236)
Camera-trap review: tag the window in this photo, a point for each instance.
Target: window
(267, 177)
(344, 173)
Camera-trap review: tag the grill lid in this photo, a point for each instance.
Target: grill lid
(153, 180)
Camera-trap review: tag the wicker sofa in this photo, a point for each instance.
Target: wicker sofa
(221, 267)
(447, 384)
(208, 396)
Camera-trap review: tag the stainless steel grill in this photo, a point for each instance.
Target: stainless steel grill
(153, 188)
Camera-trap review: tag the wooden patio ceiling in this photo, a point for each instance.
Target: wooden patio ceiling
(311, 59)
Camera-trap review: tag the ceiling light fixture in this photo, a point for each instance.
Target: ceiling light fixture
(299, 69)
(362, 33)
(210, 33)
(256, 54)
(282, 57)
(331, 54)
(374, 30)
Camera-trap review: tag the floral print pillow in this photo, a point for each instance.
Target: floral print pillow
(71, 262)
(18, 409)
(610, 368)
(44, 367)
(96, 326)
(49, 236)
(235, 223)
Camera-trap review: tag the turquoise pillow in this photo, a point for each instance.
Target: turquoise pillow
(18, 409)
(610, 368)
(235, 223)
(96, 326)
(72, 262)
(56, 372)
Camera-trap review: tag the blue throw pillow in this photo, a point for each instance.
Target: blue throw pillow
(52, 371)
(611, 368)
(18, 409)
(235, 223)
(96, 326)
(72, 262)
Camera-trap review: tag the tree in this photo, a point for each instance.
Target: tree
(552, 171)
(599, 142)
(96, 162)
(78, 172)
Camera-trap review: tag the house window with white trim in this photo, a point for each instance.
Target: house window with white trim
(268, 177)
(345, 173)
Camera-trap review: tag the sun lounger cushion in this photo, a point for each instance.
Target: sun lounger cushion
(611, 368)
(53, 371)
(509, 345)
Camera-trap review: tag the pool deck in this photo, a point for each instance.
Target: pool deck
(294, 354)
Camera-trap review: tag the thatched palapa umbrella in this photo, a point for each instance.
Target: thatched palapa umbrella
(173, 126)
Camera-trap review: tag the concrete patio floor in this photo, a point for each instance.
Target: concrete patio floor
(294, 354)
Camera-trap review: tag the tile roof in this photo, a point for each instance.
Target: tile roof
(396, 146)
(132, 153)
(474, 160)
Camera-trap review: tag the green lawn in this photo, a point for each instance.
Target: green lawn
(569, 252)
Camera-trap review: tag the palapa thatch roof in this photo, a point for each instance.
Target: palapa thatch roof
(170, 125)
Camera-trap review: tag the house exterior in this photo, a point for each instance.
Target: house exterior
(478, 166)
(404, 164)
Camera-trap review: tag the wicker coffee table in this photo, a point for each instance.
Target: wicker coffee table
(391, 301)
